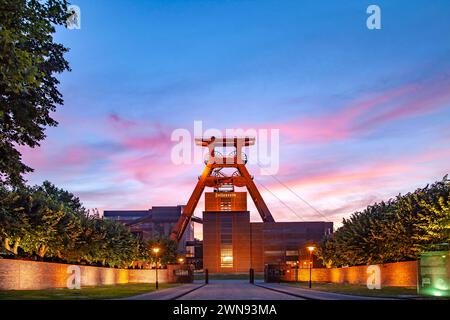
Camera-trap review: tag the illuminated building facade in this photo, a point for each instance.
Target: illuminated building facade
(233, 244)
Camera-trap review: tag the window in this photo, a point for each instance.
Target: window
(226, 242)
(273, 253)
(291, 253)
(226, 256)
(225, 204)
(226, 239)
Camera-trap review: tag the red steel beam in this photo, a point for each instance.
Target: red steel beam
(263, 210)
(206, 180)
(188, 211)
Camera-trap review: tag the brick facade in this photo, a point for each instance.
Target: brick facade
(400, 274)
(254, 244)
(30, 275)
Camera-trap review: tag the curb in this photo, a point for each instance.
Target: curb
(186, 293)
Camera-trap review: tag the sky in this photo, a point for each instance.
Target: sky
(363, 114)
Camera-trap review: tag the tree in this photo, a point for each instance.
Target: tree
(93, 241)
(434, 216)
(42, 220)
(44, 214)
(51, 223)
(397, 230)
(168, 252)
(14, 223)
(120, 246)
(69, 228)
(29, 60)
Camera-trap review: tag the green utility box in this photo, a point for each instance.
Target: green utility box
(434, 274)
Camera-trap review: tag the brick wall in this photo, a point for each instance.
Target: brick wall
(400, 274)
(30, 275)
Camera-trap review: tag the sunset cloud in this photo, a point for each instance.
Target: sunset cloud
(362, 115)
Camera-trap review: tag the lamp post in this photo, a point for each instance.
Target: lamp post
(311, 250)
(156, 251)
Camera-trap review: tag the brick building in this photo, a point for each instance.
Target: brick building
(231, 243)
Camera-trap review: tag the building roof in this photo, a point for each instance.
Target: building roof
(126, 213)
(158, 214)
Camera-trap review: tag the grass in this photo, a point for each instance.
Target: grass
(88, 293)
(360, 290)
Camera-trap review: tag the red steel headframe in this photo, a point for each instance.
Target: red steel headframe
(245, 179)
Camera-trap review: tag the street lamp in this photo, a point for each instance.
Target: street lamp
(181, 260)
(311, 250)
(156, 251)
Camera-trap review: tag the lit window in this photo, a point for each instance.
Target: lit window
(226, 256)
(226, 242)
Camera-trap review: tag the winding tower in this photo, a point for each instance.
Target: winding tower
(213, 176)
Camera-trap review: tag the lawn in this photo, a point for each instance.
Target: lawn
(88, 293)
(359, 289)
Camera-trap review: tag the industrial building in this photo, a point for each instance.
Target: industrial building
(233, 244)
(154, 223)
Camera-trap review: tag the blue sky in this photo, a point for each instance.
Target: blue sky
(363, 114)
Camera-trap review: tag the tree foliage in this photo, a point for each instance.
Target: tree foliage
(396, 230)
(29, 60)
(168, 250)
(49, 223)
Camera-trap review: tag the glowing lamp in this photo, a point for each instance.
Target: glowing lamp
(437, 293)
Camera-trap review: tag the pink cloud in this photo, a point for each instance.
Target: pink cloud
(362, 116)
(137, 171)
(148, 169)
(61, 163)
(352, 187)
(53, 156)
(132, 147)
(118, 122)
(139, 135)
(347, 175)
(425, 101)
(405, 165)
(156, 142)
(337, 125)
(145, 150)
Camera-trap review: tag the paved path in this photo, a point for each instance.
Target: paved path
(235, 290)
(242, 290)
(166, 294)
(315, 295)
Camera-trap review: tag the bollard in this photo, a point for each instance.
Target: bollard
(206, 276)
(252, 276)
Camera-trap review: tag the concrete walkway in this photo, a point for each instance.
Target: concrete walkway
(312, 294)
(166, 294)
(243, 290)
(235, 290)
